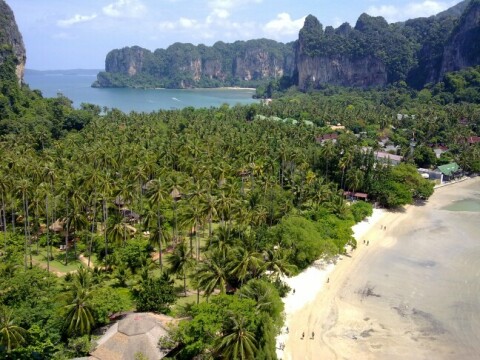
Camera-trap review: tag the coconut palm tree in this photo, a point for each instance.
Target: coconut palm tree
(11, 335)
(212, 273)
(246, 263)
(157, 194)
(276, 262)
(79, 313)
(180, 261)
(23, 187)
(237, 342)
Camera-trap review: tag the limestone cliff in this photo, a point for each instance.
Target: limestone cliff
(243, 63)
(373, 53)
(463, 48)
(340, 70)
(11, 42)
(317, 64)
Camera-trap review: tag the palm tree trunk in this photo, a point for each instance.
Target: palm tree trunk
(197, 241)
(105, 215)
(92, 233)
(48, 233)
(175, 222)
(159, 224)
(66, 233)
(29, 237)
(4, 223)
(13, 217)
(25, 230)
(185, 282)
(37, 221)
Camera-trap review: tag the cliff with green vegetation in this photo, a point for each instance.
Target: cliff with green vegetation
(12, 49)
(373, 53)
(243, 63)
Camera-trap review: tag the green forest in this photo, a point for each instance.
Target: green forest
(198, 213)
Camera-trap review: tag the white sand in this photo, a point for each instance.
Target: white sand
(309, 283)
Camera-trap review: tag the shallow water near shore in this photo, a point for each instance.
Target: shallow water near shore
(464, 205)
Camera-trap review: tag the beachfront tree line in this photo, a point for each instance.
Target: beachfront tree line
(194, 204)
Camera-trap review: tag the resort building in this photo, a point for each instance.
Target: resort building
(449, 171)
(387, 158)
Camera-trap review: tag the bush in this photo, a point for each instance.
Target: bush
(360, 210)
(155, 295)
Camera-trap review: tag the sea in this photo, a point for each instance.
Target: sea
(76, 85)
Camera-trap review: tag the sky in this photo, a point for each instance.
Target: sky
(78, 34)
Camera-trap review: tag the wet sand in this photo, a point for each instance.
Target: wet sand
(413, 293)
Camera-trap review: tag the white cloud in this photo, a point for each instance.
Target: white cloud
(166, 25)
(410, 10)
(125, 9)
(77, 18)
(223, 8)
(187, 23)
(283, 25)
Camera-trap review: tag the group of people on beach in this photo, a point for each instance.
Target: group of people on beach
(312, 338)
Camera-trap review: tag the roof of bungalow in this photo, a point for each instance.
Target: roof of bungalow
(473, 139)
(326, 137)
(134, 333)
(129, 214)
(449, 169)
(356, 194)
(388, 156)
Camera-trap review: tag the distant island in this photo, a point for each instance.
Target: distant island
(373, 53)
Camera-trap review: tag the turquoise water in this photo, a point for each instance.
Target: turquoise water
(76, 85)
(464, 205)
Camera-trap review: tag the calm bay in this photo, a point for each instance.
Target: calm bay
(76, 85)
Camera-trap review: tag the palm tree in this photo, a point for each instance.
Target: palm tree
(11, 335)
(277, 263)
(246, 264)
(79, 313)
(157, 194)
(180, 261)
(23, 189)
(212, 273)
(237, 342)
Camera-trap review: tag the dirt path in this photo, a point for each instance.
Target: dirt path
(84, 261)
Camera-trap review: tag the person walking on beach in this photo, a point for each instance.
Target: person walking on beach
(313, 335)
(303, 335)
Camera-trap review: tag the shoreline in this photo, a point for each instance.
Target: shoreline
(307, 285)
(321, 309)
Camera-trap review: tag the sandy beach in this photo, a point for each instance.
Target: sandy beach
(412, 293)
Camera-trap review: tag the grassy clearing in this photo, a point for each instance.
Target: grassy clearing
(58, 262)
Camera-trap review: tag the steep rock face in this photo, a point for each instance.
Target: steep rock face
(212, 69)
(257, 64)
(316, 66)
(463, 48)
(128, 61)
(11, 41)
(187, 65)
(340, 70)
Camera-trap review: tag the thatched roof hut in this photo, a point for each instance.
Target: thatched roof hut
(135, 333)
